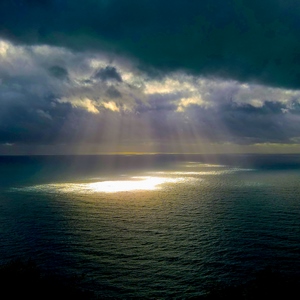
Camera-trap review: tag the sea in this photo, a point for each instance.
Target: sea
(152, 226)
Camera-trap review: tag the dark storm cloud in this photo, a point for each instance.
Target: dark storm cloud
(253, 40)
(108, 73)
(245, 124)
(39, 122)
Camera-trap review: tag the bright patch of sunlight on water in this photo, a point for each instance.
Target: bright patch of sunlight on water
(136, 183)
(109, 186)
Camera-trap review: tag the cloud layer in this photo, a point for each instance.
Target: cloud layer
(153, 76)
(53, 96)
(249, 41)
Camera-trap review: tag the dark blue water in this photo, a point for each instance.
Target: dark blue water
(157, 226)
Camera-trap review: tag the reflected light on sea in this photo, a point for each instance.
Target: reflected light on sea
(136, 183)
(146, 183)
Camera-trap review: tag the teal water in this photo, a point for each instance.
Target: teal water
(152, 226)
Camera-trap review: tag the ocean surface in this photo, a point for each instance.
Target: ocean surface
(152, 226)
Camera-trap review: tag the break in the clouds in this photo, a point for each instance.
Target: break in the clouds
(149, 76)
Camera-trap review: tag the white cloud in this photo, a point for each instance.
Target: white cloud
(111, 106)
(185, 102)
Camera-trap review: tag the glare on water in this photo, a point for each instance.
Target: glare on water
(111, 186)
(136, 183)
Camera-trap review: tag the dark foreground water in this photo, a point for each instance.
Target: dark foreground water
(158, 226)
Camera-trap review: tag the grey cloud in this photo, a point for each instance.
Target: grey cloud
(157, 102)
(33, 123)
(37, 108)
(108, 73)
(113, 93)
(246, 124)
(59, 72)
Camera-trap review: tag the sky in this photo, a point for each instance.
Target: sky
(141, 76)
